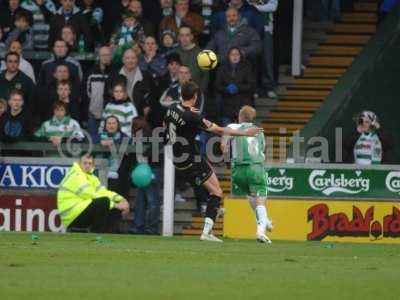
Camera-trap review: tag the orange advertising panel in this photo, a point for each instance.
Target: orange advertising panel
(318, 220)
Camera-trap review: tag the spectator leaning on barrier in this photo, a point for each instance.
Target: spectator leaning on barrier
(83, 202)
(182, 16)
(98, 89)
(15, 124)
(236, 83)
(60, 126)
(238, 34)
(70, 14)
(369, 144)
(24, 65)
(22, 31)
(59, 56)
(13, 79)
(42, 11)
(188, 51)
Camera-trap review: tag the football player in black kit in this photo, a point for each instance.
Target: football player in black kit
(183, 123)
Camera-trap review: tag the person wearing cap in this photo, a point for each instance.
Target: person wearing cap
(369, 144)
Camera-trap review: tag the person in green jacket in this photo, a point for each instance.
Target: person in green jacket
(83, 202)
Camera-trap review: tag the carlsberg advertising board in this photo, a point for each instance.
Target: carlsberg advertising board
(332, 183)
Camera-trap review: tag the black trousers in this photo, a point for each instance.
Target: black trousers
(95, 217)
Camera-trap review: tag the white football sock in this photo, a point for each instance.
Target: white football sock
(262, 219)
(208, 225)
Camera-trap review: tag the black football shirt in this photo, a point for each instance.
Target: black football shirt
(182, 127)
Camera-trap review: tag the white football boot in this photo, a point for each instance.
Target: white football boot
(210, 238)
(262, 238)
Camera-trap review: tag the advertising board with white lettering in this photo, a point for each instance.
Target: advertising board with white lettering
(35, 176)
(333, 183)
(29, 213)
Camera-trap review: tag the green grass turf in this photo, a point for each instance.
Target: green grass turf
(77, 266)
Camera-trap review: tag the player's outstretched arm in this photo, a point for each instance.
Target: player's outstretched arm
(214, 128)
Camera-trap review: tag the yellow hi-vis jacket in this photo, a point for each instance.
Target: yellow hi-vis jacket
(77, 190)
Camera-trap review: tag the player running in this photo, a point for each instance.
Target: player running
(248, 174)
(183, 124)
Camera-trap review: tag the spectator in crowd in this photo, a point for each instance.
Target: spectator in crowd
(369, 144)
(3, 106)
(147, 202)
(64, 95)
(168, 42)
(150, 61)
(268, 79)
(69, 37)
(135, 6)
(207, 9)
(70, 14)
(238, 34)
(167, 7)
(24, 65)
(60, 126)
(182, 16)
(15, 124)
(248, 13)
(83, 202)
(120, 106)
(61, 74)
(129, 35)
(8, 14)
(59, 56)
(188, 51)
(94, 17)
(118, 164)
(139, 84)
(98, 89)
(112, 135)
(14, 79)
(171, 94)
(236, 83)
(22, 31)
(42, 11)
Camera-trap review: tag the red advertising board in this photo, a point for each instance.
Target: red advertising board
(29, 213)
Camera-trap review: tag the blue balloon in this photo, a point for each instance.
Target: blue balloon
(142, 175)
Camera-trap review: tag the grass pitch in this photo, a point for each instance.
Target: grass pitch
(85, 266)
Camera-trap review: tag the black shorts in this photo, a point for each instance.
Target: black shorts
(195, 173)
